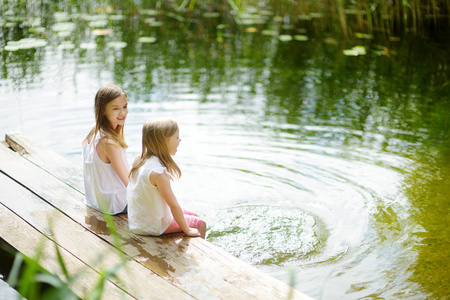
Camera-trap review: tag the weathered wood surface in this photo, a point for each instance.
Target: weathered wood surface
(185, 267)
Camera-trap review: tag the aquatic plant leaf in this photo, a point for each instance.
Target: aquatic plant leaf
(106, 9)
(316, 15)
(360, 49)
(14, 18)
(269, 32)
(175, 16)
(98, 23)
(61, 17)
(66, 46)
(149, 12)
(102, 31)
(116, 45)
(117, 17)
(288, 26)
(266, 12)
(222, 26)
(330, 41)
(88, 46)
(63, 26)
(32, 22)
(153, 23)
(64, 33)
(355, 51)
(211, 15)
(354, 11)
(301, 38)
(36, 30)
(285, 38)
(251, 29)
(26, 43)
(366, 36)
(350, 52)
(147, 39)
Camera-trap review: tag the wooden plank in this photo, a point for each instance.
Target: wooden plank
(87, 247)
(28, 240)
(47, 160)
(194, 265)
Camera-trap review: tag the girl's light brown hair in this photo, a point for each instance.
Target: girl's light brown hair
(105, 95)
(155, 134)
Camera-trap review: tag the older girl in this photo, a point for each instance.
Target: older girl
(105, 165)
(153, 208)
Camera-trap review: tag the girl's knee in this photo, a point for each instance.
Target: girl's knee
(202, 228)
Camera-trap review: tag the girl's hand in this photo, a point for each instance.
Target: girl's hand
(193, 232)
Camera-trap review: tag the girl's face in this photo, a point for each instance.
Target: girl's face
(173, 142)
(116, 111)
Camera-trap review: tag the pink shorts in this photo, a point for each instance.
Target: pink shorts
(191, 219)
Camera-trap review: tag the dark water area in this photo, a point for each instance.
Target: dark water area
(309, 154)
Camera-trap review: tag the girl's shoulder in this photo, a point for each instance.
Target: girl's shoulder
(106, 140)
(153, 164)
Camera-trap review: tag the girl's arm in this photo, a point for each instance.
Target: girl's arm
(114, 155)
(162, 182)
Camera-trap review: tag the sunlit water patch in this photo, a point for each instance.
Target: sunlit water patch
(269, 234)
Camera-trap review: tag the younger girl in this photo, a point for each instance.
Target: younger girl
(153, 209)
(105, 165)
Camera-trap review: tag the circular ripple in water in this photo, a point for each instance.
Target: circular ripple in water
(269, 234)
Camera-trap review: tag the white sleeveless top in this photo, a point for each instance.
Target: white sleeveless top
(148, 212)
(104, 189)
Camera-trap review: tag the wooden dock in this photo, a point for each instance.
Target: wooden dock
(42, 207)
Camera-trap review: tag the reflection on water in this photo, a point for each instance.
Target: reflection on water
(295, 154)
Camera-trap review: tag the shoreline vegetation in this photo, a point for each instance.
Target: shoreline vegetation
(360, 19)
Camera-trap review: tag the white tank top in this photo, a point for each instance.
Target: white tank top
(104, 189)
(148, 212)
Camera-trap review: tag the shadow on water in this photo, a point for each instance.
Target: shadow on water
(295, 152)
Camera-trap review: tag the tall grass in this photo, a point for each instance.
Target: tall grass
(34, 283)
(387, 17)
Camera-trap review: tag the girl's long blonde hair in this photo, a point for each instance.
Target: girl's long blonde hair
(155, 134)
(105, 95)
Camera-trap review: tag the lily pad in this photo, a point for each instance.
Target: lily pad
(26, 43)
(222, 26)
(285, 38)
(98, 23)
(355, 51)
(32, 22)
(64, 33)
(117, 45)
(288, 26)
(147, 39)
(251, 29)
(12, 18)
(61, 17)
(63, 26)
(330, 41)
(301, 38)
(366, 36)
(117, 17)
(36, 30)
(102, 31)
(66, 46)
(269, 32)
(88, 46)
(155, 24)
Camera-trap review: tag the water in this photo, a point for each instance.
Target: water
(304, 162)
